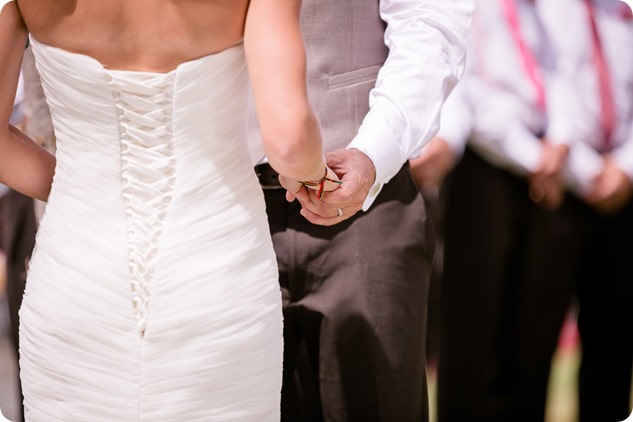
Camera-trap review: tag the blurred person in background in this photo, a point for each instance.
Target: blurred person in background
(429, 170)
(508, 113)
(585, 245)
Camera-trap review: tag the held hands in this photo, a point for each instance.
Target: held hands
(611, 190)
(546, 186)
(328, 183)
(357, 174)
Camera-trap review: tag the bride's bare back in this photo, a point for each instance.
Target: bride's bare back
(157, 36)
(150, 35)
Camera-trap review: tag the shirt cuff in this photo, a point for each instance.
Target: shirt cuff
(517, 150)
(374, 140)
(623, 157)
(524, 149)
(558, 135)
(455, 138)
(583, 165)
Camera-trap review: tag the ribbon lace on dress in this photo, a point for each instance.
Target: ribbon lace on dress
(144, 103)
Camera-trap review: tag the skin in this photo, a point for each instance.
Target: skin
(611, 190)
(546, 186)
(132, 36)
(24, 165)
(431, 167)
(356, 171)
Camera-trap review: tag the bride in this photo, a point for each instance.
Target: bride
(152, 292)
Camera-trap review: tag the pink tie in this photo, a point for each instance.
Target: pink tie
(530, 65)
(607, 109)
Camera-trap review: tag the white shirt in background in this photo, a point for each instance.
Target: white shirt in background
(505, 118)
(574, 43)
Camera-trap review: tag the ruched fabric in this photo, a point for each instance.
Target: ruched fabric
(152, 294)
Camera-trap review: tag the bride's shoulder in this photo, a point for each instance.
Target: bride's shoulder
(3, 2)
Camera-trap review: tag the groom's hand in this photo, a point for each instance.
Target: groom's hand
(356, 171)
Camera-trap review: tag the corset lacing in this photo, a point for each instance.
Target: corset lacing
(144, 103)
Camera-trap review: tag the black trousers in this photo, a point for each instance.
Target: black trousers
(591, 253)
(486, 369)
(355, 309)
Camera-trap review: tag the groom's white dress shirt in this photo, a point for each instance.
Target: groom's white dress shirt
(426, 41)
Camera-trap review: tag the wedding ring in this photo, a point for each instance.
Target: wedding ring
(340, 212)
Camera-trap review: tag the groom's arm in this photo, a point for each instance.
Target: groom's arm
(427, 43)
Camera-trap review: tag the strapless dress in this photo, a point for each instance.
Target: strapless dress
(152, 293)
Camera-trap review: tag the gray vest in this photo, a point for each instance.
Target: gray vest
(345, 49)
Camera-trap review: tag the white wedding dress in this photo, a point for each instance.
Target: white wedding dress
(153, 292)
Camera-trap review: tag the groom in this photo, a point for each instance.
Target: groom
(355, 292)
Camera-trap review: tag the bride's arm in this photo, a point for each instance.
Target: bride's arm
(276, 60)
(24, 165)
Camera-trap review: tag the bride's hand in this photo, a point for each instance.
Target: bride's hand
(293, 187)
(329, 183)
(357, 172)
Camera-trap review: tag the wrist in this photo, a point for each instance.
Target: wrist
(328, 181)
(317, 174)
